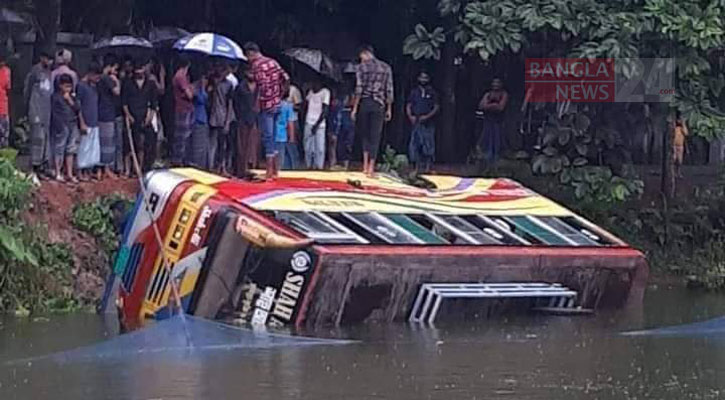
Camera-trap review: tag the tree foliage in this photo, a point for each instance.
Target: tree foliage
(688, 30)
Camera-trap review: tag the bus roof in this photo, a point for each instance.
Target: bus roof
(353, 192)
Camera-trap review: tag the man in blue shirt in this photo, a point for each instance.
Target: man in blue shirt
(422, 107)
(284, 134)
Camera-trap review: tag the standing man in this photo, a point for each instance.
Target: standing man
(220, 119)
(36, 92)
(422, 107)
(63, 58)
(5, 86)
(372, 104)
(272, 82)
(184, 108)
(109, 92)
(246, 105)
(87, 95)
(65, 120)
(139, 103)
(318, 106)
(678, 143)
(493, 105)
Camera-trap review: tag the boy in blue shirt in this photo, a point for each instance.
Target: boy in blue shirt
(284, 135)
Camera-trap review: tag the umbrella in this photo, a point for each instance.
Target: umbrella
(13, 21)
(317, 60)
(166, 35)
(122, 41)
(211, 44)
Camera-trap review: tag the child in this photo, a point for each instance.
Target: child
(678, 144)
(88, 99)
(65, 119)
(344, 131)
(284, 134)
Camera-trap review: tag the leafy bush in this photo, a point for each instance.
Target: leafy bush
(96, 218)
(14, 190)
(35, 275)
(570, 144)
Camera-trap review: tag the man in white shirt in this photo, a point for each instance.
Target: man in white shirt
(318, 105)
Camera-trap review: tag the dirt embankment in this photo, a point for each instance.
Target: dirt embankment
(52, 209)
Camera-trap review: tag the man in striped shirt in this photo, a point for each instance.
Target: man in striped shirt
(272, 82)
(372, 104)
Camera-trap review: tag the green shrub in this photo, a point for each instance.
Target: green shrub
(96, 218)
(35, 275)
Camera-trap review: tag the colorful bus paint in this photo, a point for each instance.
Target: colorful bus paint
(392, 235)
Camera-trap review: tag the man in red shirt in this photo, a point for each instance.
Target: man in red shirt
(184, 109)
(272, 82)
(5, 86)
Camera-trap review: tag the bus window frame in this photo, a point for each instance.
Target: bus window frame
(416, 241)
(342, 236)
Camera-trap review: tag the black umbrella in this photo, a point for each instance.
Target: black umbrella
(166, 36)
(13, 22)
(317, 60)
(124, 45)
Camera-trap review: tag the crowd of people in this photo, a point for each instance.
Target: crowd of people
(224, 116)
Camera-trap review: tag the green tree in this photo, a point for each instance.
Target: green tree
(688, 30)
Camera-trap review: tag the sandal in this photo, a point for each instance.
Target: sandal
(59, 178)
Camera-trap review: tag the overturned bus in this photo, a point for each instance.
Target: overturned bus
(332, 248)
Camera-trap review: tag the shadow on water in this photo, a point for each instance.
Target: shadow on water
(713, 327)
(181, 336)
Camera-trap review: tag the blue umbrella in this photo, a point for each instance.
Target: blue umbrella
(211, 44)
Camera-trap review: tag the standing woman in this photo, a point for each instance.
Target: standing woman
(199, 152)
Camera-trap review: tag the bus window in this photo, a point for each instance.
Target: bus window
(319, 227)
(383, 228)
(566, 230)
(421, 232)
(490, 227)
(465, 230)
(534, 229)
(514, 229)
(587, 231)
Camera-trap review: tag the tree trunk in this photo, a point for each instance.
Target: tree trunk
(48, 14)
(447, 138)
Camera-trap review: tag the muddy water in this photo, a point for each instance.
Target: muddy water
(521, 358)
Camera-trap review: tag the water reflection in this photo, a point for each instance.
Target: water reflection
(522, 358)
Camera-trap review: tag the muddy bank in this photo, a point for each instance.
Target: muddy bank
(52, 209)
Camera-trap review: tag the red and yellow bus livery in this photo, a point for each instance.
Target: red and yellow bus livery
(318, 248)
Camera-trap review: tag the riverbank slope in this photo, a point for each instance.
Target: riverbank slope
(52, 207)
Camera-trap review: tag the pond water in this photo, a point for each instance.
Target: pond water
(526, 357)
